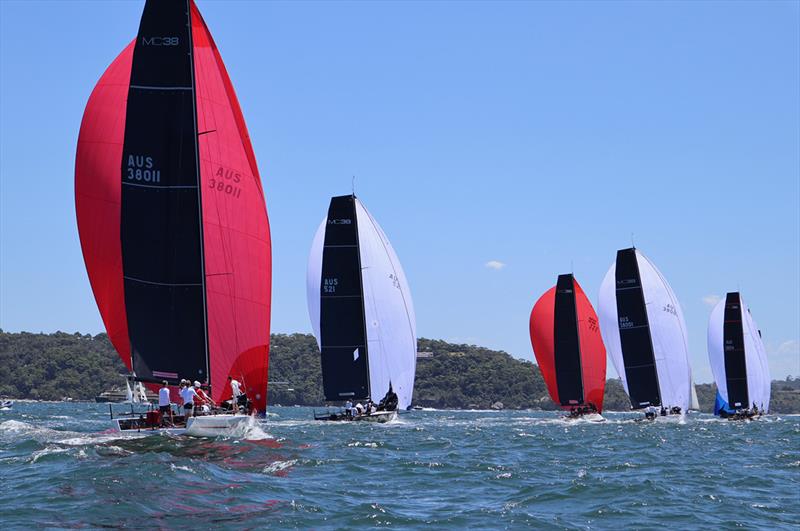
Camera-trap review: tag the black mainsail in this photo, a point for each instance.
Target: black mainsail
(161, 220)
(345, 366)
(569, 376)
(634, 333)
(735, 362)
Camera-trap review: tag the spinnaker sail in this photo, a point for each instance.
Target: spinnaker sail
(360, 308)
(645, 333)
(566, 340)
(738, 357)
(171, 212)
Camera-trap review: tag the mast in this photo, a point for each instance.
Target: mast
(634, 333)
(734, 349)
(567, 349)
(199, 187)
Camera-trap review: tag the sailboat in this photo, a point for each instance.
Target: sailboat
(694, 404)
(171, 214)
(361, 313)
(566, 340)
(738, 360)
(645, 333)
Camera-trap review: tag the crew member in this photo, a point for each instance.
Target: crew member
(204, 398)
(236, 392)
(189, 394)
(165, 404)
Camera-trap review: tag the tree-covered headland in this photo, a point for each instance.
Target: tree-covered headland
(458, 376)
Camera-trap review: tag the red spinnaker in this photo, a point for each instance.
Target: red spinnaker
(236, 237)
(592, 349)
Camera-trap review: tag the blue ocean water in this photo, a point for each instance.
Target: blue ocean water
(60, 468)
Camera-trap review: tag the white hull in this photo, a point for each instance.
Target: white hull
(378, 416)
(589, 417)
(220, 425)
(203, 426)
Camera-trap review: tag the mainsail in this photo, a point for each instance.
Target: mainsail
(738, 357)
(171, 212)
(568, 346)
(645, 333)
(360, 308)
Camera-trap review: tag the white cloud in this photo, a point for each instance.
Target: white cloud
(791, 346)
(712, 300)
(495, 264)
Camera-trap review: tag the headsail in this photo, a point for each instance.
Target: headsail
(644, 330)
(360, 307)
(568, 346)
(737, 356)
(171, 212)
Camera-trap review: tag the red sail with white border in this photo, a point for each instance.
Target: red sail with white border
(235, 228)
(577, 334)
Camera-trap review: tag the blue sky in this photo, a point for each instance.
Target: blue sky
(534, 137)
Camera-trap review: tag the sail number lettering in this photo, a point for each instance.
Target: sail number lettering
(221, 186)
(225, 180)
(592, 324)
(669, 308)
(395, 280)
(160, 41)
(340, 221)
(329, 285)
(141, 168)
(624, 322)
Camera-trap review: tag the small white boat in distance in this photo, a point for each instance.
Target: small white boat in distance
(6, 404)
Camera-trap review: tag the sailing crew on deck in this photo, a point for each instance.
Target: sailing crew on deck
(204, 398)
(189, 394)
(348, 408)
(165, 404)
(236, 392)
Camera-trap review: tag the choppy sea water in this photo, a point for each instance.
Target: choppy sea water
(60, 468)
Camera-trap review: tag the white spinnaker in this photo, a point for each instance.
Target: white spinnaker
(389, 313)
(755, 355)
(716, 348)
(609, 322)
(667, 332)
(314, 280)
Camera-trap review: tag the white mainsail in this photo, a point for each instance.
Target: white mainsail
(757, 369)
(388, 309)
(694, 404)
(667, 332)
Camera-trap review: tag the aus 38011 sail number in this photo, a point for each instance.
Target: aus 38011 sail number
(226, 181)
(141, 168)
